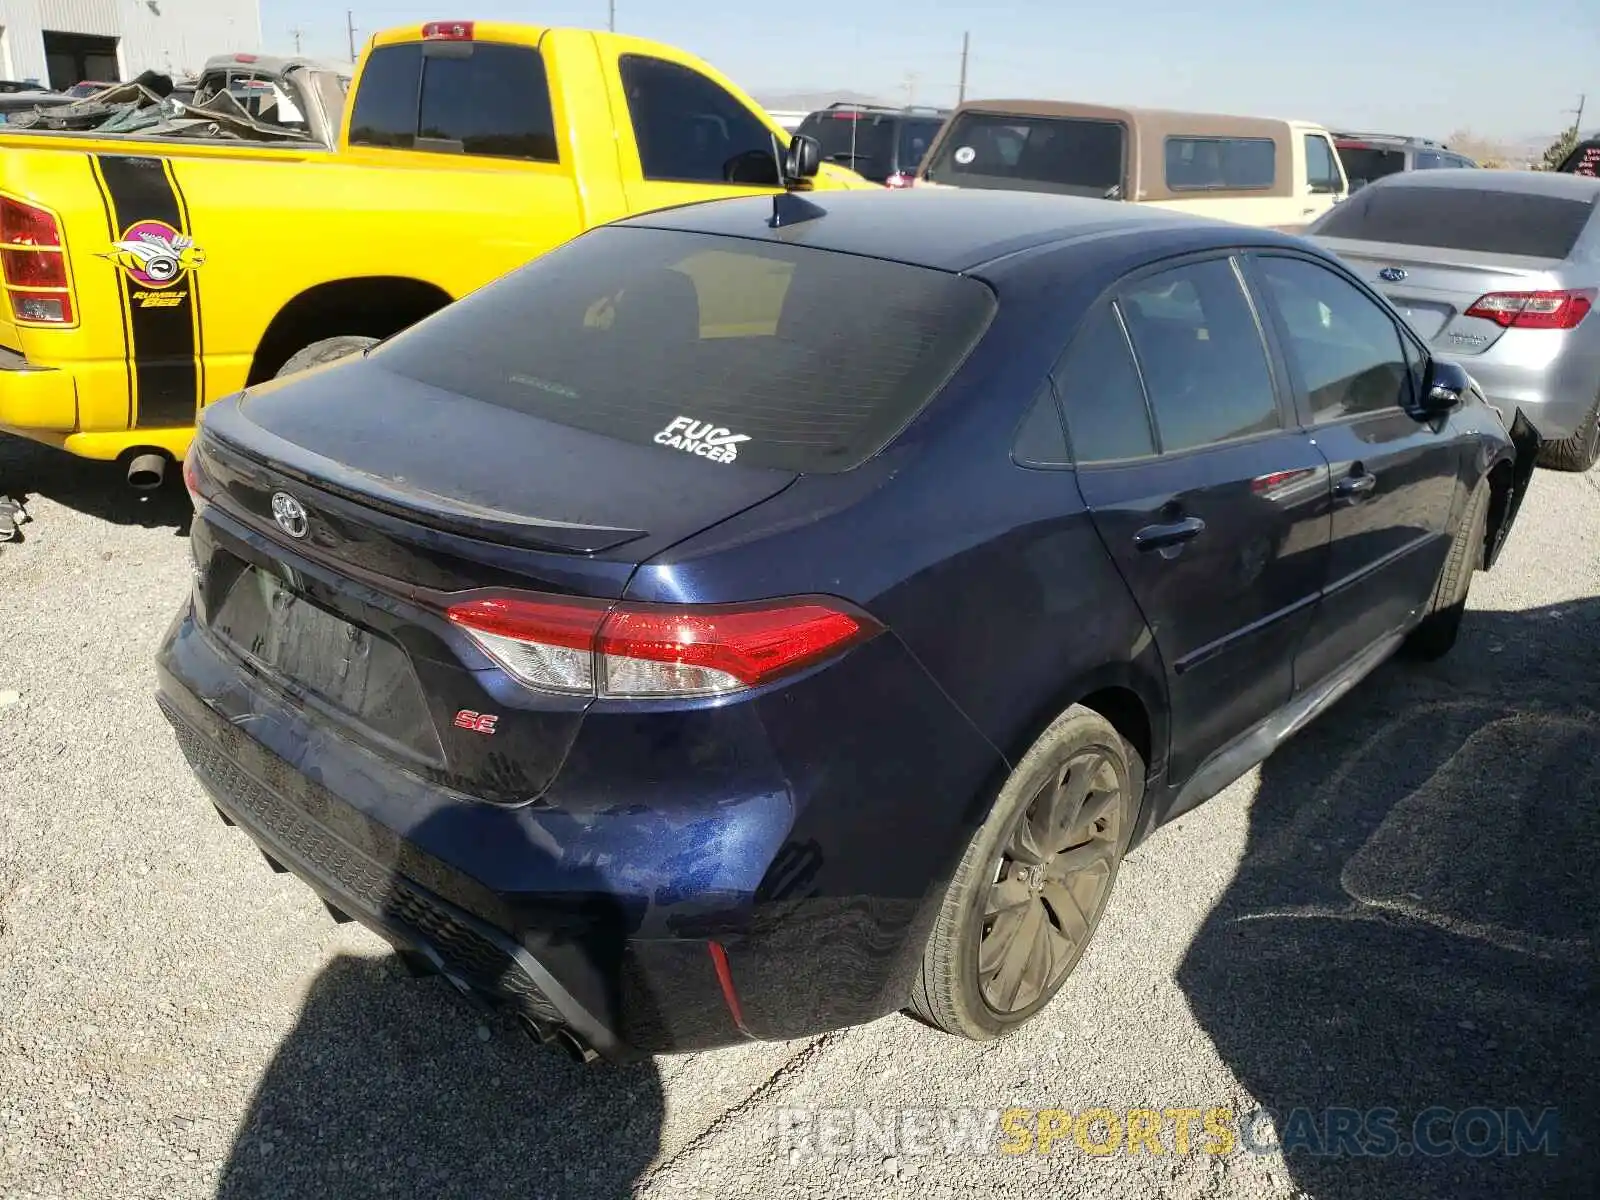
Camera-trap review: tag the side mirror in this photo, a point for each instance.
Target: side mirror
(803, 159)
(1444, 387)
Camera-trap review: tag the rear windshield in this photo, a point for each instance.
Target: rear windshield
(1461, 219)
(770, 355)
(1365, 165)
(864, 142)
(1035, 154)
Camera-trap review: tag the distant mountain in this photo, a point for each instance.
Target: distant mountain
(808, 101)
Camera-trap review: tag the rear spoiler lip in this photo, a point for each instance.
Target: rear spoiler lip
(419, 506)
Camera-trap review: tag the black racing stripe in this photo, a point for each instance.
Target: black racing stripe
(194, 296)
(163, 349)
(122, 300)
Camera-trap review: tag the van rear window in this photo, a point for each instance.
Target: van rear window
(1068, 155)
(1459, 218)
(800, 359)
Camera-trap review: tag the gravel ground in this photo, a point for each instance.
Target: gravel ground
(1398, 910)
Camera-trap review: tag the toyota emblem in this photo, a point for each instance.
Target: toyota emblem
(290, 514)
(1392, 274)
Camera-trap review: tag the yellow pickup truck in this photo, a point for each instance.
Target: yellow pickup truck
(146, 275)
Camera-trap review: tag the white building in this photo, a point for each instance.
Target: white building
(60, 42)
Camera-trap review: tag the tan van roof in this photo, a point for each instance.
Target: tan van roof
(1149, 129)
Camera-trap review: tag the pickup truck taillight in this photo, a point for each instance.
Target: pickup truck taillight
(34, 264)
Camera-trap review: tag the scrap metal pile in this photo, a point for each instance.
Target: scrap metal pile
(153, 105)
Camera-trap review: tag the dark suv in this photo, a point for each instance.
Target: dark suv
(882, 144)
(1369, 156)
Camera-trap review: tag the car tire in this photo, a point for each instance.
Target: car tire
(1093, 780)
(326, 351)
(1578, 452)
(1436, 633)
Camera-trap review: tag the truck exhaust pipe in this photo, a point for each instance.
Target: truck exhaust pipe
(561, 1038)
(146, 471)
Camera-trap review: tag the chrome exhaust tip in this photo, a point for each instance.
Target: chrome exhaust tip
(147, 471)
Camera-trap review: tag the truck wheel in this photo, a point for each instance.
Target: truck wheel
(1578, 452)
(326, 351)
(1034, 881)
(1436, 633)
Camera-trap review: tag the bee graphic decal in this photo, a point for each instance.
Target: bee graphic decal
(154, 254)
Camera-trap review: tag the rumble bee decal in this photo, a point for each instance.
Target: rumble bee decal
(155, 255)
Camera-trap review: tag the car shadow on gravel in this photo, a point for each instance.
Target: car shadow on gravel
(1415, 926)
(29, 470)
(384, 1089)
(397, 1087)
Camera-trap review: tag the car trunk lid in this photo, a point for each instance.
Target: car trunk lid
(1434, 288)
(396, 501)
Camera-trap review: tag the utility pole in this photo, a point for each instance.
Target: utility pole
(295, 34)
(911, 87)
(611, 15)
(961, 90)
(350, 28)
(1577, 114)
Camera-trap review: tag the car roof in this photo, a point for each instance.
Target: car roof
(1527, 183)
(949, 229)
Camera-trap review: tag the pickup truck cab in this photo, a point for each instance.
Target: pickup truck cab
(145, 276)
(1252, 170)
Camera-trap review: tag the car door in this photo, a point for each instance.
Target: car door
(1212, 505)
(1394, 477)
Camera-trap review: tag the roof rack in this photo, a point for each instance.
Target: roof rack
(1389, 137)
(886, 108)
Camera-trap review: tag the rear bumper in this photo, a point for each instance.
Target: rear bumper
(354, 866)
(1555, 393)
(35, 398)
(764, 870)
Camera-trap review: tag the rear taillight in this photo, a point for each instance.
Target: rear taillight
(1535, 310)
(192, 474)
(899, 180)
(591, 647)
(33, 264)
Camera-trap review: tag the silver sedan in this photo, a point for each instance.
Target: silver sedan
(1499, 270)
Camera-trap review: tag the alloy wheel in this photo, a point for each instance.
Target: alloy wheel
(1051, 883)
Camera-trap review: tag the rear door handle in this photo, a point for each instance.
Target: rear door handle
(1175, 533)
(1352, 486)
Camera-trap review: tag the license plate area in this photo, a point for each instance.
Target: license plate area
(361, 675)
(1426, 319)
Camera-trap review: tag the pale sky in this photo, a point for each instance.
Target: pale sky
(1427, 67)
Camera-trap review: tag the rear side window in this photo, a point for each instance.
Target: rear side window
(1461, 218)
(1100, 389)
(1200, 351)
(687, 128)
(481, 98)
(1220, 164)
(794, 359)
(385, 112)
(1036, 154)
(1429, 160)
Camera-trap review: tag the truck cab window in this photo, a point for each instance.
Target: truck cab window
(493, 102)
(688, 129)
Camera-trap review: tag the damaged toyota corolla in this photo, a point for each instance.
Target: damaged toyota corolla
(759, 617)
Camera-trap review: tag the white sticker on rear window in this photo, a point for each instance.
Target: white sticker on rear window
(702, 438)
(965, 155)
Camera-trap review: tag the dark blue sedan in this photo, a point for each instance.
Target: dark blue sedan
(758, 617)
